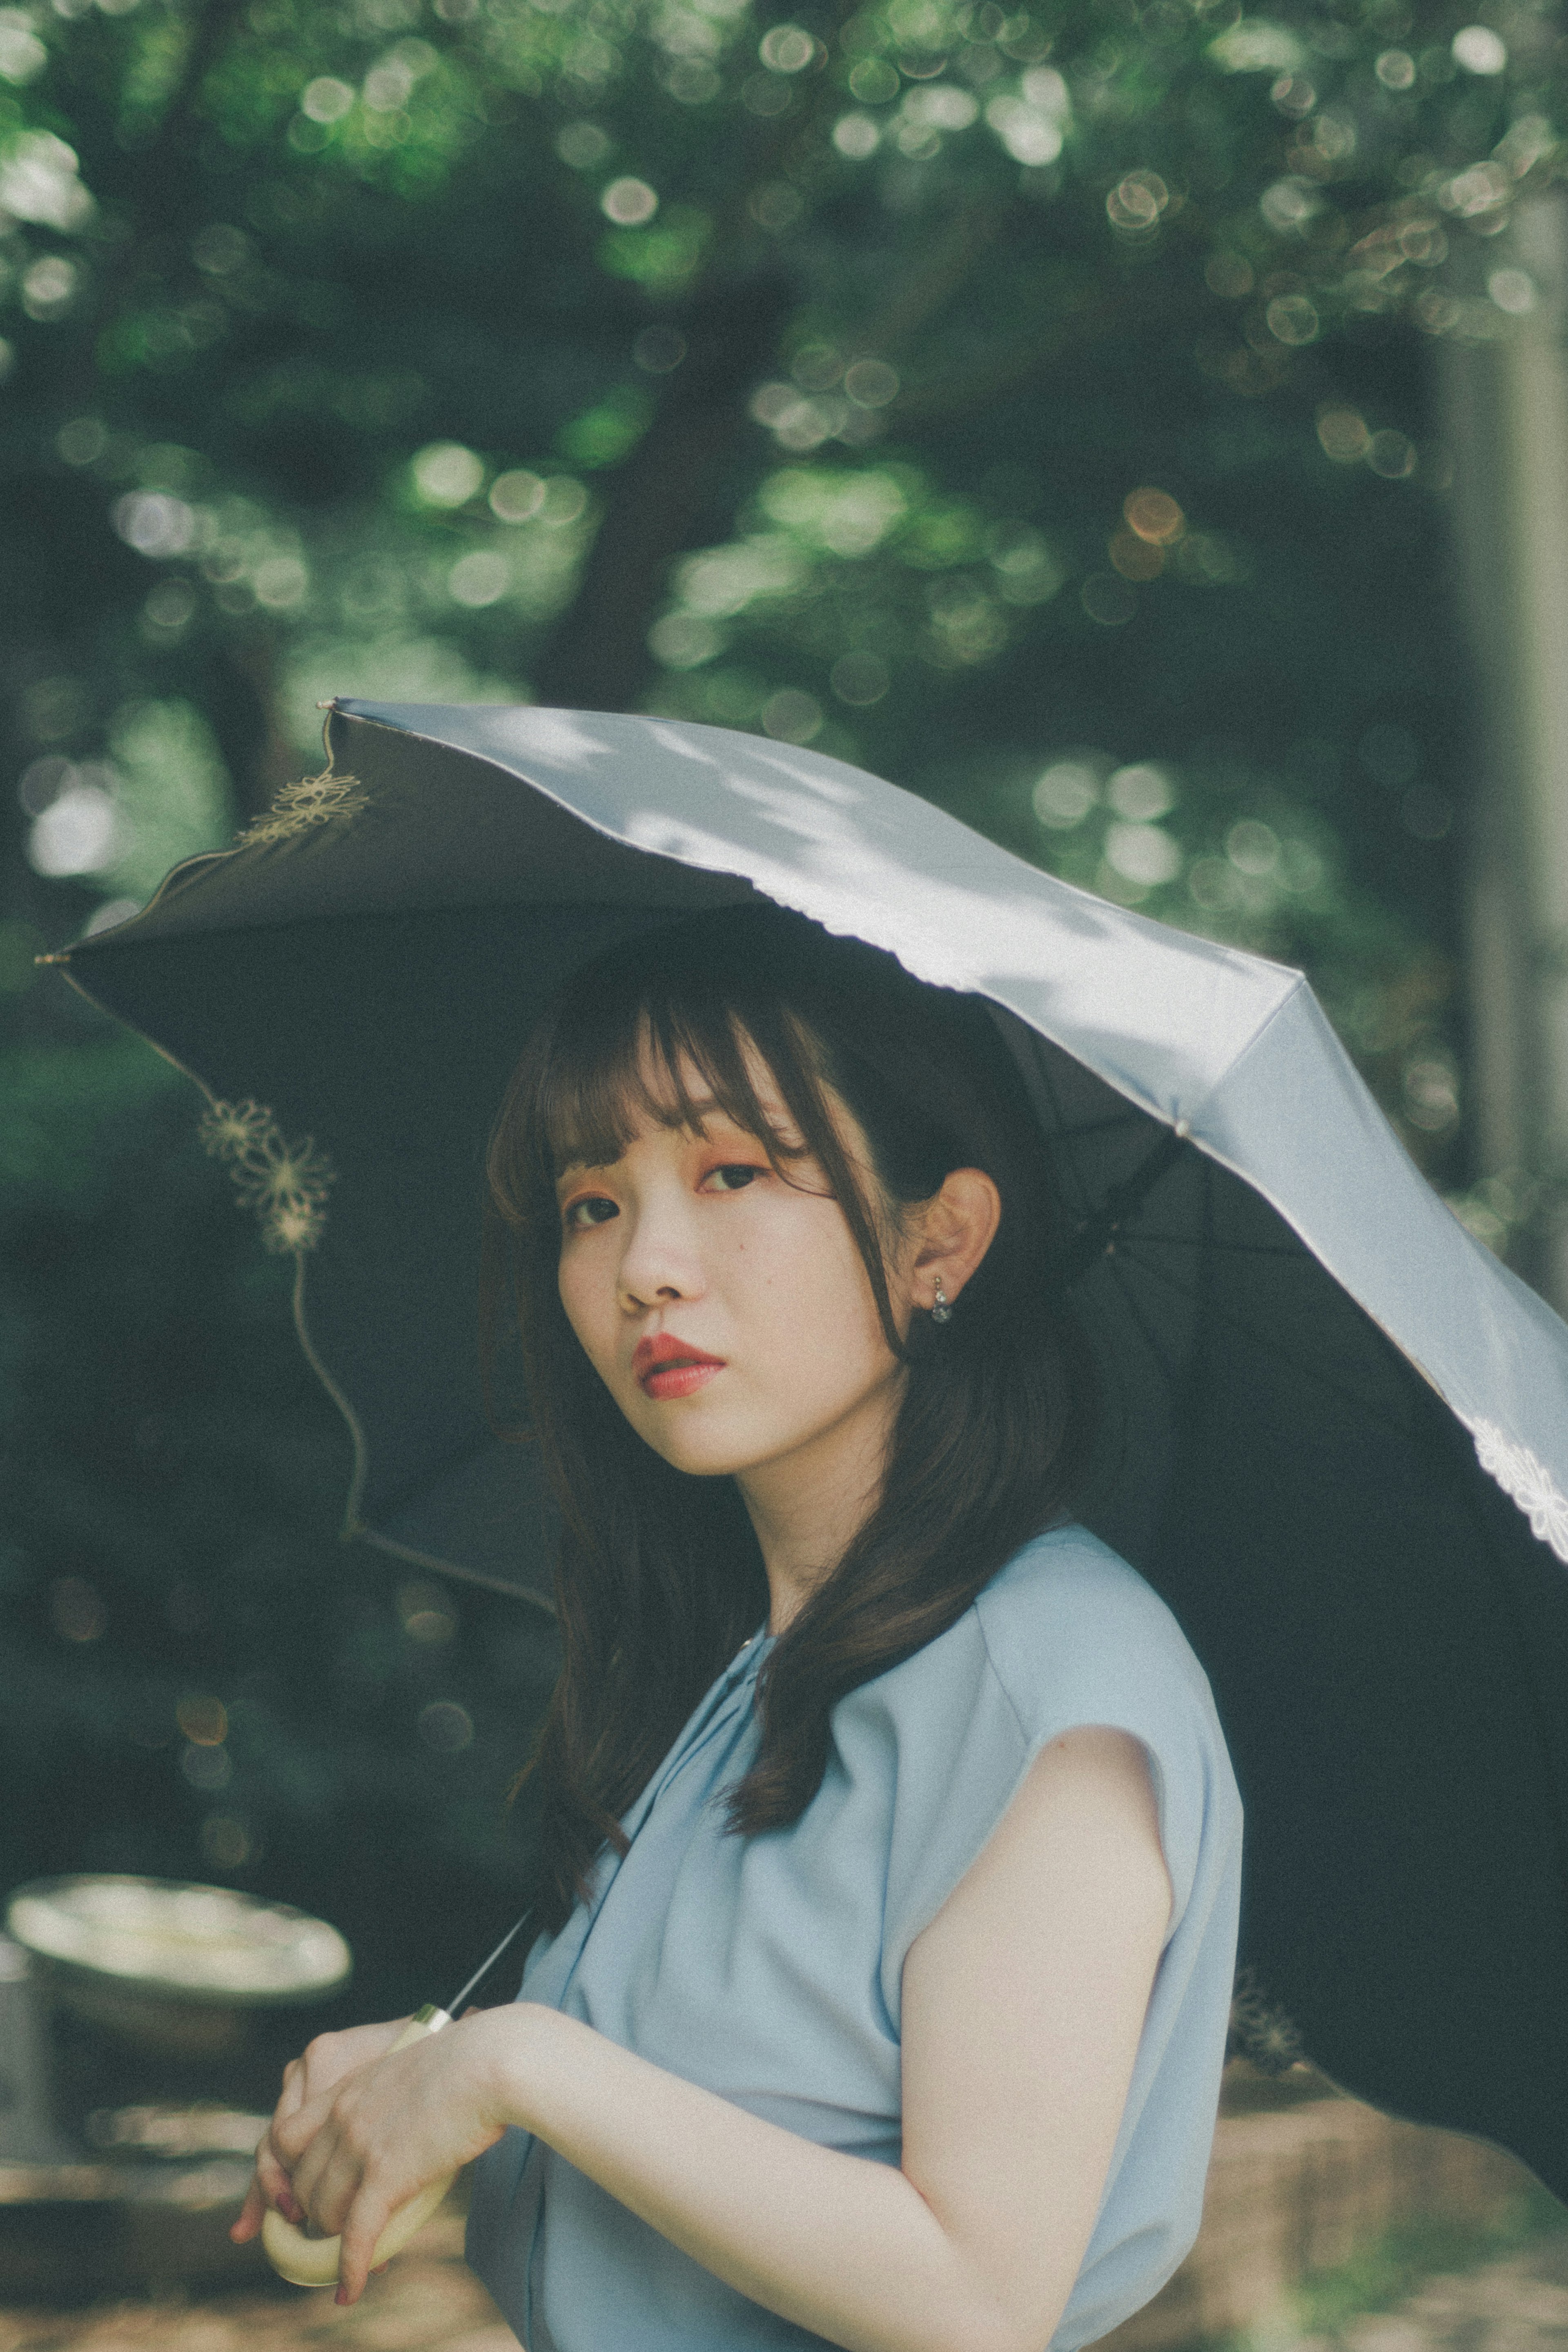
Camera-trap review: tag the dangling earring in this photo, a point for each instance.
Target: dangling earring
(941, 1312)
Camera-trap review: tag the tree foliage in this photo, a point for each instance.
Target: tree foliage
(946, 385)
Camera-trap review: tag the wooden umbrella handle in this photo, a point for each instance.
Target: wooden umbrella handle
(313, 2262)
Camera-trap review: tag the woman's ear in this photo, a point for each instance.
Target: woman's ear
(956, 1228)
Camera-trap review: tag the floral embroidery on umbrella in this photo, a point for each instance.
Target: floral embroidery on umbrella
(314, 800)
(285, 1183)
(1262, 2030)
(1522, 1474)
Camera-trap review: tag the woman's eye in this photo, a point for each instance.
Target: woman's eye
(733, 1178)
(593, 1210)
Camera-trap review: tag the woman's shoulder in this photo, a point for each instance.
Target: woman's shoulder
(1065, 1622)
(1069, 1619)
(1065, 1635)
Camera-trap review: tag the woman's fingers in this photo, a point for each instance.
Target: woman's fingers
(362, 2225)
(250, 2215)
(271, 2185)
(335, 2185)
(294, 2092)
(307, 2177)
(289, 2137)
(309, 2080)
(273, 2177)
(337, 2146)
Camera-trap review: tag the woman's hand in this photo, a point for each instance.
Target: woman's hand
(309, 2077)
(372, 2129)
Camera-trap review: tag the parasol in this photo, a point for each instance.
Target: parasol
(1339, 1441)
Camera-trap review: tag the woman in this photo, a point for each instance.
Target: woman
(891, 1849)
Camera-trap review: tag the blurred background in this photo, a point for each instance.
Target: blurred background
(1137, 425)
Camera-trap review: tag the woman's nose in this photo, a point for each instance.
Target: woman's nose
(659, 1265)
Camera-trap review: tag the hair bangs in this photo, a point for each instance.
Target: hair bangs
(665, 1058)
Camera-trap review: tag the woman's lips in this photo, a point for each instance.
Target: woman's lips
(665, 1367)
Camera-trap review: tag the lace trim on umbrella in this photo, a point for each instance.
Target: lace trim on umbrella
(314, 800)
(285, 1183)
(1522, 1474)
(1262, 2030)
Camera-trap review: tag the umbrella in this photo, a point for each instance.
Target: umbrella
(1339, 1445)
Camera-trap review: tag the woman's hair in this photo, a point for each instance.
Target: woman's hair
(660, 1578)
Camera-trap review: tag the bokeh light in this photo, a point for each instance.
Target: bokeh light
(226, 1844)
(659, 350)
(79, 833)
(1106, 598)
(856, 136)
(860, 679)
(1479, 50)
(629, 202)
(326, 100)
(447, 1727)
(1142, 792)
(204, 1721)
(1065, 794)
(426, 1613)
(479, 579)
(445, 473)
(1144, 854)
(76, 1610)
(1135, 202)
(1155, 516)
(788, 49)
(792, 715)
(518, 496)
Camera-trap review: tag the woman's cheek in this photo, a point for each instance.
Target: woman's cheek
(579, 1304)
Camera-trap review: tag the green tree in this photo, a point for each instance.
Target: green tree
(931, 383)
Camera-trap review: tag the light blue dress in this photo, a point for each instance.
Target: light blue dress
(769, 1969)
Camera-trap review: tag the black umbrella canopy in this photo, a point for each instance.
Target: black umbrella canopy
(1325, 1393)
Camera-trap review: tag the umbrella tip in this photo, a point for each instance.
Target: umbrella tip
(61, 955)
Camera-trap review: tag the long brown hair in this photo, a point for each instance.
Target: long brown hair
(660, 1578)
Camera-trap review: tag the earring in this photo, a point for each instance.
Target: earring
(941, 1312)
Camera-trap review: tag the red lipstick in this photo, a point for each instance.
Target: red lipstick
(665, 1366)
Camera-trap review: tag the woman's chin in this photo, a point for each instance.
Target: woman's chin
(697, 1459)
(698, 1443)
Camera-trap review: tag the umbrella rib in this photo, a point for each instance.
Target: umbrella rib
(1039, 1080)
(1108, 1122)
(1151, 1340)
(456, 1457)
(1040, 1070)
(1097, 1235)
(1278, 1355)
(1233, 1249)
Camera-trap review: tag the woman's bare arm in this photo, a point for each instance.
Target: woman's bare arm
(1023, 2002)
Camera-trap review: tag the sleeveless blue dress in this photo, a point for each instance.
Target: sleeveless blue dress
(768, 1969)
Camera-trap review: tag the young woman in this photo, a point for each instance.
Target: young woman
(890, 1847)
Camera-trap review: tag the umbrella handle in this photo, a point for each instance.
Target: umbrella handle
(313, 2262)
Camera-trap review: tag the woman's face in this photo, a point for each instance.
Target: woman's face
(727, 1310)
